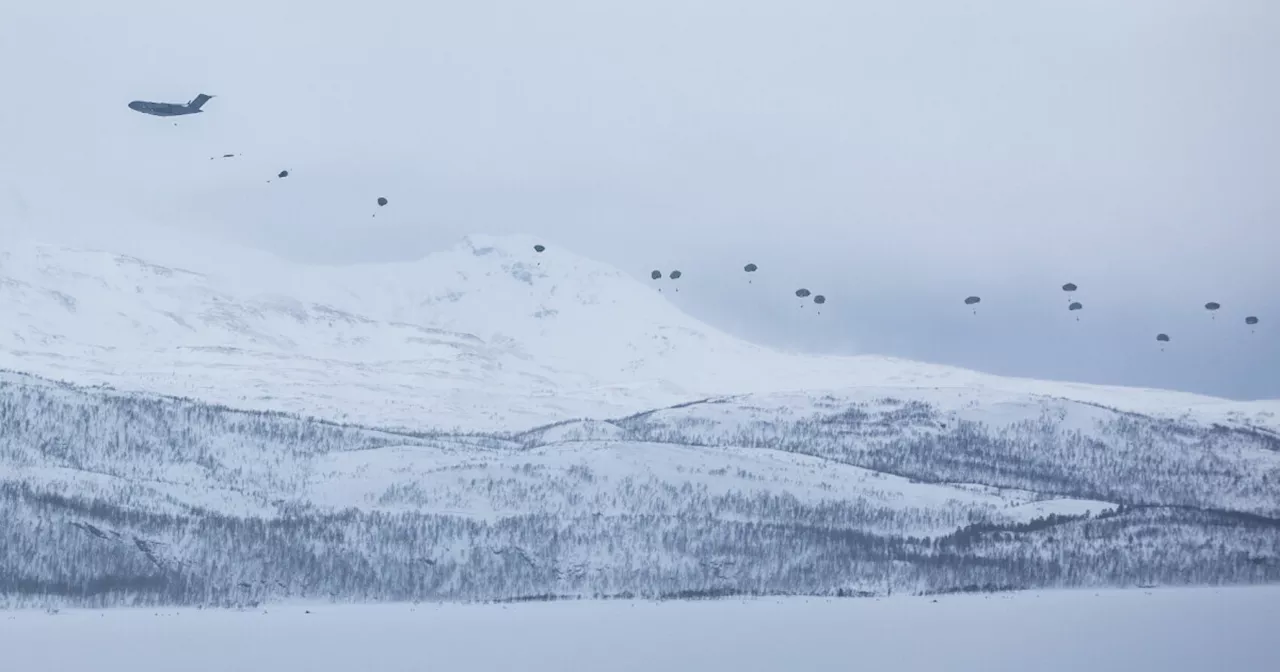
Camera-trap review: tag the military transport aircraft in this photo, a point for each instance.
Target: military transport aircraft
(170, 109)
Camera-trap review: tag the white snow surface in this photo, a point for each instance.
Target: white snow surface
(488, 335)
(1171, 630)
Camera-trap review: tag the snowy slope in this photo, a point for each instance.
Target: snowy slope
(634, 478)
(997, 438)
(487, 335)
(116, 498)
(170, 456)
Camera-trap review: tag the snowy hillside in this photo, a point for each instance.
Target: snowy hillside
(116, 498)
(491, 422)
(489, 335)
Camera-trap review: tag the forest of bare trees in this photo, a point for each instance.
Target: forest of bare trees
(110, 499)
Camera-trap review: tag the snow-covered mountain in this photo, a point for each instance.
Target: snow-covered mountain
(489, 335)
(609, 444)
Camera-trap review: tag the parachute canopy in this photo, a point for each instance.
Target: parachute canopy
(674, 275)
(283, 173)
(1251, 320)
(655, 275)
(802, 292)
(971, 300)
(382, 201)
(1075, 306)
(1164, 338)
(539, 248)
(1212, 306)
(750, 268)
(819, 299)
(1069, 287)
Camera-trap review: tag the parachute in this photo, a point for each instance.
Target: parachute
(972, 300)
(750, 268)
(1069, 287)
(802, 292)
(539, 248)
(819, 299)
(675, 275)
(381, 202)
(283, 174)
(1075, 306)
(1212, 306)
(656, 275)
(1163, 338)
(1251, 320)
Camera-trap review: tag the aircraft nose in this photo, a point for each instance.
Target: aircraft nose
(135, 105)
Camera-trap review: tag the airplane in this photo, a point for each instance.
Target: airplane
(170, 109)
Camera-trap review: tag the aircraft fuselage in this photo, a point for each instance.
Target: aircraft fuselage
(170, 109)
(161, 109)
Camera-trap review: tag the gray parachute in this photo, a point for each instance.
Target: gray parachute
(972, 300)
(819, 299)
(539, 248)
(1163, 338)
(656, 275)
(802, 292)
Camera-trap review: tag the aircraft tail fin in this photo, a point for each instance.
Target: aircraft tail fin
(198, 101)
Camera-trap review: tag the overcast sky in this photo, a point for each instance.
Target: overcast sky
(895, 156)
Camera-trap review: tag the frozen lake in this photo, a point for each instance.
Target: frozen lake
(1169, 630)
